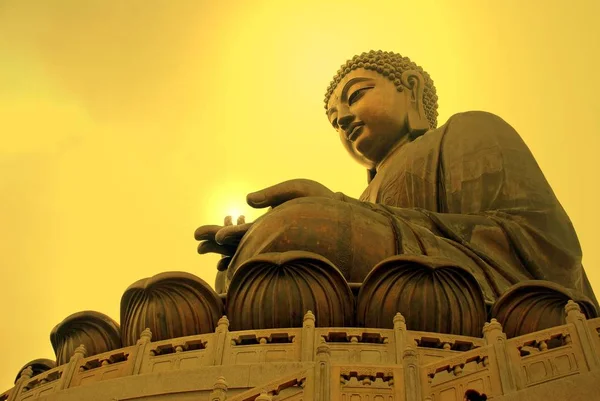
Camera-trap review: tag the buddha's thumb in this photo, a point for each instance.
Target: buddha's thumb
(257, 199)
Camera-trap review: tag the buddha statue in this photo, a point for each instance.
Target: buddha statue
(457, 224)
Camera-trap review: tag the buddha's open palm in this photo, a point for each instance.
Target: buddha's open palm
(225, 239)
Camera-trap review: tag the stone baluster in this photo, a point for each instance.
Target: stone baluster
(308, 337)
(220, 339)
(494, 336)
(399, 336)
(219, 392)
(577, 319)
(70, 368)
(264, 396)
(412, 378)
(20, 384)
(322, 373)
(141, 350)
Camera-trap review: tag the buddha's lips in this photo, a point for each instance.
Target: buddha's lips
(356, 131)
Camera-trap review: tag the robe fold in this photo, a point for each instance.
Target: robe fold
(470, 191)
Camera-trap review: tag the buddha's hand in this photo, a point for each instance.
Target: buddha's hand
(288, 190)
(223, 240)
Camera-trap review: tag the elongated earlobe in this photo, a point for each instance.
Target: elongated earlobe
(416, 118)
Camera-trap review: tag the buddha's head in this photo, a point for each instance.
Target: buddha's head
(378, 100)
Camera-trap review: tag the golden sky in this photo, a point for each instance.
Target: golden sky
(127, 124)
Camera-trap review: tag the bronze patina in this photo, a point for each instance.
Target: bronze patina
(454, 218)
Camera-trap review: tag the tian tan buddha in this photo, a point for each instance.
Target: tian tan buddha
(457, 224)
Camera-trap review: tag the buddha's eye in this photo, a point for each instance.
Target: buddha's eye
(357, 94)
(334, 123)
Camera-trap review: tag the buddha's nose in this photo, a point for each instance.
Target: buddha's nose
(345, 121)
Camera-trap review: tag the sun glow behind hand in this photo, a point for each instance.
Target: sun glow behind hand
(235, 214)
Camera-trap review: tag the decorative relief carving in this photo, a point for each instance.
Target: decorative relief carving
(264, 337)
(366, 384)
(442, 372)
(43, 379)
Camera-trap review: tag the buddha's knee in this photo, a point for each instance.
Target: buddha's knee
(354, 239)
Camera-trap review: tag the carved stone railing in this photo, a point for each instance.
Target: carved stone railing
(105, 366)
(334, 363)
(179, 353)
(260, 346)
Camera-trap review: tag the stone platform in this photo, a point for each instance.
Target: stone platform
(313, 363)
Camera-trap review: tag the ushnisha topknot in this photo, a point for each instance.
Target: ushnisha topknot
(390, 65)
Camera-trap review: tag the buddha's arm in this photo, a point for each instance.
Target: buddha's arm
(498, 205)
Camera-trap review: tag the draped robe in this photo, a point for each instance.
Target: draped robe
(469, 191)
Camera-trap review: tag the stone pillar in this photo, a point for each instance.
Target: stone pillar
(220, 339)
(399, 336)
(577, 319)
(322, 373)
(20, 384)
(308, 338)
(412, 378)
(79, 354)
(219, 392)
(493, 335)
(141, 350)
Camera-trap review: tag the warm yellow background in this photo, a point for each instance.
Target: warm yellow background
(127, 124)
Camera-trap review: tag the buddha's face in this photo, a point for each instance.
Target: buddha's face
(370, 115)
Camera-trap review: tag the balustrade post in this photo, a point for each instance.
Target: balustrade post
(308, 338)
(20, 384)
(322, 373)
(412, 377)
(141, 350)
(220, 339)
(79, 354)
(219, 392)
(399, 336)
(264, 397)
(588, 346)
(494, 336)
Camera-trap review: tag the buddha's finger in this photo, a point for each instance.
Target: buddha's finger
(279, 193)
(212, 247)
(231, 235)
(223, 263)
(204, 233)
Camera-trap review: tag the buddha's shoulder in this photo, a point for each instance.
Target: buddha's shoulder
(476, 117)
(483, 125)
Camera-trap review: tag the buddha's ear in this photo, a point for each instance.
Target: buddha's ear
(418, 124)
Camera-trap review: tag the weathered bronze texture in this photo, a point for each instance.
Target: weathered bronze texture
(469, 191)
(170, 304)
(536, 305)
(431, 293)
(276, 290)
(96, 331)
